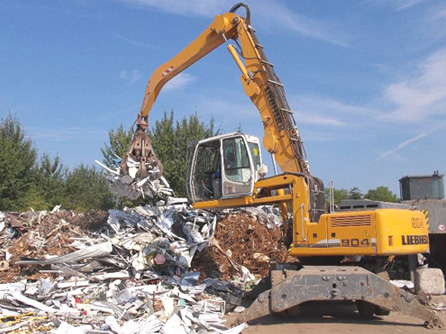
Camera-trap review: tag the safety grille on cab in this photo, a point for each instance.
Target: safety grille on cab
(363, 220)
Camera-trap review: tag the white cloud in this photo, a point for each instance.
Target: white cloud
(397, 4)
(401, 146)
(65, 134)
(284, 17)
(179, 81)
(326, 115)
(185, 8)
(318, 137)
(434, 25)
(310, 110)
(404, 4)
(310, 118)
(422, 94)
(135, 42)
(272, 11)
(227, 109)
(326, 112)
(130, 76)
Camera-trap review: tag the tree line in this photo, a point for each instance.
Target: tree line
(29, 180)
(40, 182)
(381, 193)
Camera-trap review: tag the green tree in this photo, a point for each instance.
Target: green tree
(119, 141)
(51, 179)
(162, 136)
(355, 193)
(28, 182)
(18, 159)
(381, 193)
(338, 194)
(86, 188)
(188, 132)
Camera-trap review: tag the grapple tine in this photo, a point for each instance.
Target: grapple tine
(141, 152)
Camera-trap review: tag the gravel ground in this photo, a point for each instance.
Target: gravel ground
(326, 318)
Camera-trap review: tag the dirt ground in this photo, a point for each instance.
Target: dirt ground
(327, 318)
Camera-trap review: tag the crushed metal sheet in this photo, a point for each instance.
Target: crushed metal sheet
(131, 187)
(31, 302)
(133, 271)
(174, 326)
(86, 253)
(11, 328)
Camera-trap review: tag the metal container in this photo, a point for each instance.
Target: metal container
(422, 187)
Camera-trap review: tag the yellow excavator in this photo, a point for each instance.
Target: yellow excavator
(227, 172)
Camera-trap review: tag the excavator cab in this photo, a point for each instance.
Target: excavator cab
(225, 166)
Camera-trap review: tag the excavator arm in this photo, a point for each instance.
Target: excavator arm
(261, 85)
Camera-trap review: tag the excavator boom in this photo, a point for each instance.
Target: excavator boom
(261, 84)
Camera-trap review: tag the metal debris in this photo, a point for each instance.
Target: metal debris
(98, 250)
(243, 246)
(403, 284)
(130, 186)
(139, 270)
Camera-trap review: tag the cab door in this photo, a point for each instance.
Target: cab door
(237, 167)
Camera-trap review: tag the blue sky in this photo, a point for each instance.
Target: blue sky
(366, 79)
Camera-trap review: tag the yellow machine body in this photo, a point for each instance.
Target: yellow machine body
(375, 232)
(379, 232)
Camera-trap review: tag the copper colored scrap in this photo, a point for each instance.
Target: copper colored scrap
(16, 219)
(47, 234)
(239, 237)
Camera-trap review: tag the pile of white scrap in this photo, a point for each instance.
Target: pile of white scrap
(131, 187)
(266, 214)
(117, 306)
(161, 239)
(144, 241)
(132, 276)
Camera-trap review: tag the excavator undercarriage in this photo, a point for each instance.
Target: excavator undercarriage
(373, 294)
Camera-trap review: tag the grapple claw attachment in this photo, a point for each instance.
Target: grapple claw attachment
(140, 172)
(140, 161)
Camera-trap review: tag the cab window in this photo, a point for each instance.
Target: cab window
(236, 160)
(255, 154)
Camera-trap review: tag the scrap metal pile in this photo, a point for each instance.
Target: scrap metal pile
(131, 186)
(140, 270)
(245, 239)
